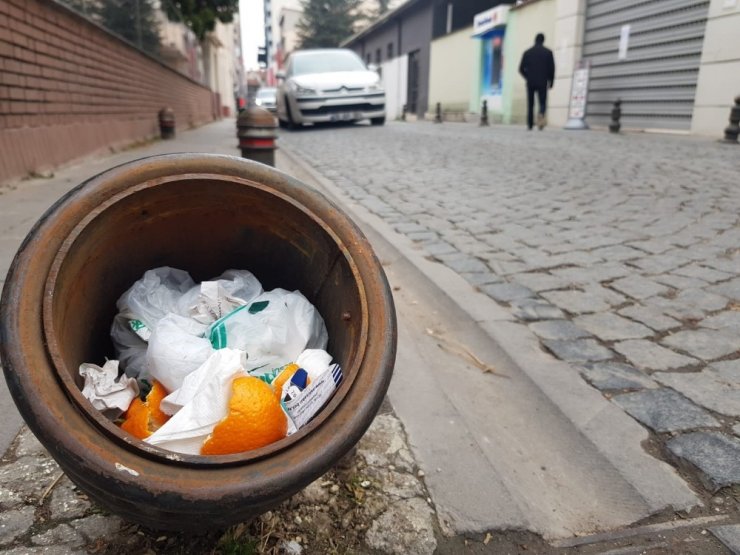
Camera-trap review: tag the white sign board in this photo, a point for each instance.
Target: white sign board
(624, 40)
(490, 19)
(579, 92)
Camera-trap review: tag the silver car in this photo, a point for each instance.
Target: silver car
(266, 98)
(325, 85)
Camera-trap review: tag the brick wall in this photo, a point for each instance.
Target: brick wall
(69, 88)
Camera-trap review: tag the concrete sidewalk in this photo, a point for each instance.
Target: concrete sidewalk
(501, 435)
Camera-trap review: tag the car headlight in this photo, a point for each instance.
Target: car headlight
(258, 101)
(303, 91)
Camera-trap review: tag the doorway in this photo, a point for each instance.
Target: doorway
(412, 97)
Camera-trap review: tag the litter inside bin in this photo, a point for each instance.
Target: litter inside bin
(228, 366)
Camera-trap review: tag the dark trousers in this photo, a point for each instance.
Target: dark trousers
(541, 91)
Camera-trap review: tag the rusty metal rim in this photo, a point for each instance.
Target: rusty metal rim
(65, 376)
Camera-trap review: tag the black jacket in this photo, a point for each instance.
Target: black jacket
(538, 66)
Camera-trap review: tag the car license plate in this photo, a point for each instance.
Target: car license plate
(345, 116)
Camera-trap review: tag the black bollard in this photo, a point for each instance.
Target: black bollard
(167, 123)
(438, 114)
(484, 114)
(614, 126)
(403, 113)
(733, 130)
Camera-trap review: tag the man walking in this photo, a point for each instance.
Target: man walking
(538, 68)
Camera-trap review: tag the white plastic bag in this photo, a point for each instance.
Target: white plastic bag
(217, 298)
(155, 295)
(219, 362)
(314, 361)
(273, 329)
(177, 347)
(204, 401)
(105, 391)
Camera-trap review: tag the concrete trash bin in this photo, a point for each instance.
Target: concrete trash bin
(205, 214)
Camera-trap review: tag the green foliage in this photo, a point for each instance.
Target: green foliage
(326, 23)
(236, 541)
(132, 20)
(201, 15)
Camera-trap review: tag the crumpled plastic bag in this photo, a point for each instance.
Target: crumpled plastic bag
(273, 329)
(105, 391)
(158, 293)
(177, 347)
(217, 298)
(314, 361)
(203, 401)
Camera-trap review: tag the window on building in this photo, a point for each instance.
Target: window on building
(378, 56)
(390, 50)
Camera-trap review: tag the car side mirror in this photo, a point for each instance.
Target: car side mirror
(372, 67)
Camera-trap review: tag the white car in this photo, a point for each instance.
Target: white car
(266, 98)
(325, 85)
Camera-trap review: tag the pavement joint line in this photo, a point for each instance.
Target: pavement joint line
(698, 522)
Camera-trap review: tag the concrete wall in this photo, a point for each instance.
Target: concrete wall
(69, 88)
(524, 22)
(221, 60)
(453, 71)
(289, 19)
(719, 72)
(567, 46)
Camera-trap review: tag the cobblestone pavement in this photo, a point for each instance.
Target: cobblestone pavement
(621, 252)
(373, 501)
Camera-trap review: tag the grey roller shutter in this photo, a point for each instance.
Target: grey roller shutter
(657, 80)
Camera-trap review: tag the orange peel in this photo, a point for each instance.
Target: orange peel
(143, 418)
(255, 419)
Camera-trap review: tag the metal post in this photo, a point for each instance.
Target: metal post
(403, 113)
(614, 126)
(438, 114)
(484, 114)
(733, 130)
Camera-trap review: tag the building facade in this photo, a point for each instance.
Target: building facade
(674, 64)
(426, 56)
(398, 44)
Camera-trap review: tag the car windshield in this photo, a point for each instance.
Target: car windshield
(266, 93)
(324, 62)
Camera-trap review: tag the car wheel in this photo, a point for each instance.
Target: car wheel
(291, 124)
(377, 121)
